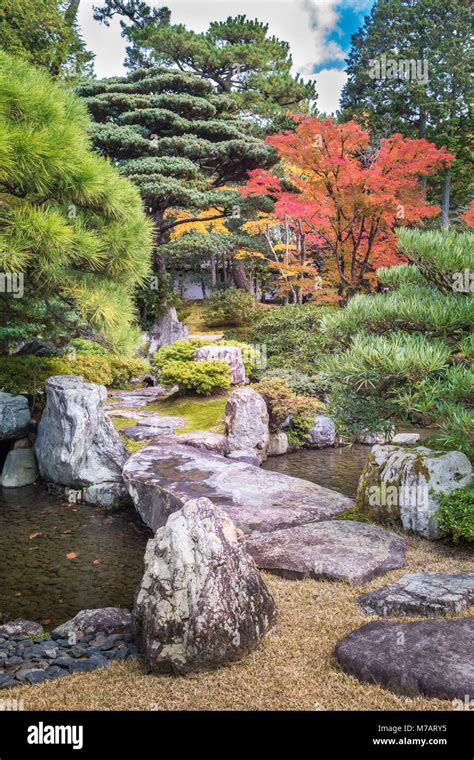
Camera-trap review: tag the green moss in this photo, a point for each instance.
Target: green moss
(356, 514)
(200, 413)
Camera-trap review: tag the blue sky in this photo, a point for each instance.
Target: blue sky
(318, 32)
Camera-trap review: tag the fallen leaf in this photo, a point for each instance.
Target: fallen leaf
(35, 535)
(71, 555)
(97, 562)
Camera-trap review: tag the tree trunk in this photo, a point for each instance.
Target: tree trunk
(445, 198)
(240, 276)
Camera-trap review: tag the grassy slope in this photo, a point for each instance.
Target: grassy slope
(293, 669)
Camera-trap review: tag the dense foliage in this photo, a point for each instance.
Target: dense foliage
(72, 230)
(230, 307)
(456, 514)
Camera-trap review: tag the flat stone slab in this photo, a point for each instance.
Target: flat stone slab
(337, 550)
(426, 594)
(431, 658)
(162, 477)
(144, 433)
(201, 439)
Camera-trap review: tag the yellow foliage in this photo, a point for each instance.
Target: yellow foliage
(201, 222)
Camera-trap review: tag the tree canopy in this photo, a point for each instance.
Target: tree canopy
(71, 227)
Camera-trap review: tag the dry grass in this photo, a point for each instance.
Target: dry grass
(294, 668)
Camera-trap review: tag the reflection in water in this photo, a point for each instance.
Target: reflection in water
(38, 582)
(338, 468)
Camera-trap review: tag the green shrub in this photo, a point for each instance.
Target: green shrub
(26, 375)
(230, 307)
(283, 403)
(204, 378)
(180, 351)
(299, 382)
(84, 346)
(123, 369)
(456, 514)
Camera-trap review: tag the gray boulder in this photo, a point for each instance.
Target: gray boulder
(202, 602)
(108, 620)
(166, 330)
(20, 627)
(19, 469)
(161, 478)
(216, 443)
(406, 438)
(14, 416)
(77, 445)
(405, 484)
(323, 433)
(429, 658)
(339, 550)
(278, 444)
(231, 355)
(247, 456)
(427, 594)
(247, 422)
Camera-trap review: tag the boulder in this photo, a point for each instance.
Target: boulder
(202, 602)
(323, 433)
(406, 438)
(162, 477)
(247, 456)
(108, 620)
(405, 484)
(232, 355)
(22, 443)
(201, 439)
(14, 416)
(77, 445)
(247, 422)
(371, 439)
(429, 658)
(339, 550)
(37, 347)
(277, 444)
(20, 627)
(19, 469)
(166, 330)
(427, 594)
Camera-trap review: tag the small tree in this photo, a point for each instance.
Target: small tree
(343, 198)
(74, 239)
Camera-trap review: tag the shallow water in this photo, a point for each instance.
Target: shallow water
(338, 468)
(38, 582)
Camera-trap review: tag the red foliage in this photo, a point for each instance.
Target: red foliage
(468, 215)
(348, 196)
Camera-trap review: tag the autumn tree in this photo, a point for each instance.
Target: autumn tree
(184, 147)
(410, 71)
(44, 32)
(344, 199)
(237, 55)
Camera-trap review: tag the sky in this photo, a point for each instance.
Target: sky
(318, 32)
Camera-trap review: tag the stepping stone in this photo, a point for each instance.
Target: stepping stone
(337, 550)
(430, 658)
(426, 594)
(152, 392)
(162, 477)
(123, 414)
(142, 433)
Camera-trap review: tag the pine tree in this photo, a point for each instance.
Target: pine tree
(73, 232)
(237, 55)
(44, 32)
(184, 147)
(434, 102)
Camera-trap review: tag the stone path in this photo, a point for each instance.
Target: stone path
(337, 550)
(426, 594)
(138, 398)
(162, 477)
(432, 658)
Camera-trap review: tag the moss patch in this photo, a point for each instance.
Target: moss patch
(199, 413)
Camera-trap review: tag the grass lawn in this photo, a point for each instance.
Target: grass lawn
(293, 669)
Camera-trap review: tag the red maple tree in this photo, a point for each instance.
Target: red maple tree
(345, 197)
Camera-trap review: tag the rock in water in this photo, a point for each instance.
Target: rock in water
(166, 330)
(247, 422)
(323, 433)
(427, 594)
(202, 602)
(14, 416)
(77, 445)
(404, 483)
(278, 444)
(106, 619)
(19, 469)
(431, 658)
(338, 550)
(406, 438)
(161, 478)
(232, 355)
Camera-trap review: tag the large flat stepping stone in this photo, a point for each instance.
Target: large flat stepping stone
(151, 427)
(426, 594)
(161, 478)
(431, 658)
(337, 550)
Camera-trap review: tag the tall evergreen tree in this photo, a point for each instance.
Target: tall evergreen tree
(44, 32)
(237, 55)
(436, 101)
(182, 144)
(74, 239)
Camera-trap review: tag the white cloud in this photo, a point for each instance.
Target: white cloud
(329, 85)
(324, 21)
